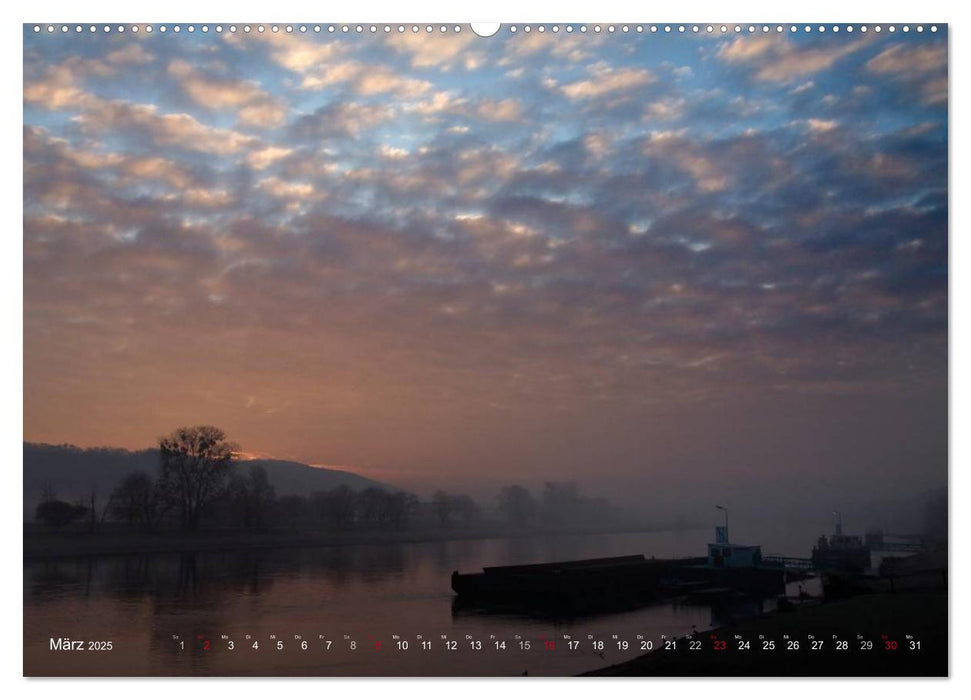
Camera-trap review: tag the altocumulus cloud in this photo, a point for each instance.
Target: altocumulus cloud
(371, 230)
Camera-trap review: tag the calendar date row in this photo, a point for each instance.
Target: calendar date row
(638, 643)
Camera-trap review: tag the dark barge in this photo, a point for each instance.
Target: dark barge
(616, 583)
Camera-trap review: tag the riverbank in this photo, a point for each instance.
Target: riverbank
(921, 615)
(43, 544)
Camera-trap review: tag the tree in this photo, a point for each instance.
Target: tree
(379, 508)
(464, 508)
(48, 493)
(446, 506)
(136, 501)
(194, 465)
(335, 508)
(57, 514)
(561, 502)
(293, 510)
(340, 506)
(517, 505)
(371, 506)
(442, 506)
(401, 508)
(92, 510)
(252, 496)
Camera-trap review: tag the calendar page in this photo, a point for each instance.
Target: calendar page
(613, 349)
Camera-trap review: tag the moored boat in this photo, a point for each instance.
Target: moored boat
(621, 582)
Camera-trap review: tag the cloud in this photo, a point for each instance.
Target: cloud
(921, 68)
(392, 152)
(131, 55)
(265, 157)
(157, 168)
(343, 118)
(62, 84)
(288, 190)
(912, 61)
(499, 110)
(325, 64)
(59, 89)
(443, 52)
(666, 109)
(777, 58)
(694, 159)
(563, 47)
(364, 79)
(438, 102)
(254, 107)
(561, 226)
(206, 198)
(605, 79)
(821, 125)
(175, 129)
(289, 51)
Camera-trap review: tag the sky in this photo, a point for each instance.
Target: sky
(675, 265)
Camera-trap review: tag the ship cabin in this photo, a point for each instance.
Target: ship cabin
(723, 555)
(841, 552)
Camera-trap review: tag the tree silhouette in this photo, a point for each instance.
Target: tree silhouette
(400, 507)
(447, 506)
(561, 502)
(371, 506)
(517, 505)
(194, 465)
(442, 507)
(336, 507)
(136, 501)
(252, 497)
(57, 514)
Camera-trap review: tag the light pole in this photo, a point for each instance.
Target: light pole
(725, 510)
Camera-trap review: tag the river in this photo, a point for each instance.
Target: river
(361, 610)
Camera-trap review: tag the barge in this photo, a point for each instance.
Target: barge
(614, 583)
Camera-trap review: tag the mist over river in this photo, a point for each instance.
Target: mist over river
(177, 613)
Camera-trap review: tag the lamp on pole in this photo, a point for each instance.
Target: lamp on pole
(725, 510)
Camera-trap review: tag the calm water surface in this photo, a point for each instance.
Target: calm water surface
(146, 605)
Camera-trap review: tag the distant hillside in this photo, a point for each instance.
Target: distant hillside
(299, 479)
(73, 472)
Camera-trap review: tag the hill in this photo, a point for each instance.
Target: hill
(72, 472)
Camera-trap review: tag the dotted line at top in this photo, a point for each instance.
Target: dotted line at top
(455, 29)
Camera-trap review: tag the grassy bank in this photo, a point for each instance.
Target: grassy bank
(922, 615)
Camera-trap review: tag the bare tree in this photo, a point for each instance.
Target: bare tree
(342, 501)
(517, 505)
(336, 507)
(442, 507)
(57, 514)
(48, 493)
(92, 510)
(252, 496)
(561, 502)
(448, 506)
(194, 465)
(137, 501)
(464, 508)
(401, 507)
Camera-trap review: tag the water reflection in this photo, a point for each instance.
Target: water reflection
(153, 605)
